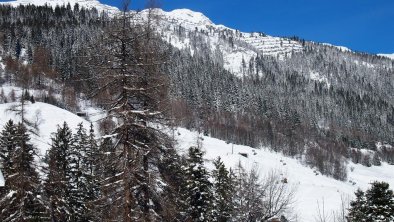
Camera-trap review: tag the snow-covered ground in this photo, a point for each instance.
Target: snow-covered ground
(342, 48)
(313, 189)
(244, 45)
(46, 116)
(391, 56)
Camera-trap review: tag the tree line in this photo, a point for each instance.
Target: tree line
(73, 184)
(274, 104)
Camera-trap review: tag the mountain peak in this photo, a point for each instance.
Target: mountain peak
(189, 17)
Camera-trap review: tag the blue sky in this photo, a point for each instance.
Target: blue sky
(362, 25)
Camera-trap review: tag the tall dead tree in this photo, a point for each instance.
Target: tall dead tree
(130, 85)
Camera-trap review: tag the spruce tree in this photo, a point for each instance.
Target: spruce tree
(7, 147)
(75, 159)
(91, 175)
(198, 187)
(380, 202)
(57, 184)
(82, 168)
(357, 207)
(223, 192)
(23, 201)
(375, 205)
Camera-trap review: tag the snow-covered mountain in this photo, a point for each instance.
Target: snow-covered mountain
(83, 3)
(237, 47)
(242, 47)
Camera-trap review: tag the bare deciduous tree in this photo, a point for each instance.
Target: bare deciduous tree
(127, 73)
(262, 199)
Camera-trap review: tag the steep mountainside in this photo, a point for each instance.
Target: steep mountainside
(321, 103)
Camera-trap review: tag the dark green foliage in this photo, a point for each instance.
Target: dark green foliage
(7, 147)
(375, 205)
(358, 207)
(223, 188)
(84, 181)
(175, 194)
(56, 186)
(380, 202)
(23, 199)
(198, 187)
(72, 185)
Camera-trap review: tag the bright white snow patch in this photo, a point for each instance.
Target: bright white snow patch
(1, 180)
(342, 48)
(391, 56)
(189, 18)
(313, 188)
(317, 77)
(47, 116)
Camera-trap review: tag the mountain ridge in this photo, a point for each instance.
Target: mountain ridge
(185, 17)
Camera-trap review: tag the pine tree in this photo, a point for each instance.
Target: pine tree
(91, 174)
(82, 168)
(174, 191)
(198, 187)
(7, 147)
(223, 192)
(357, 207)
(23, 201)
(376, 204)
(380, 202)
(57, 184)
(75, 159)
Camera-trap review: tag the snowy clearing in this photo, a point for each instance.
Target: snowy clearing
(312, 188)
(47, 117)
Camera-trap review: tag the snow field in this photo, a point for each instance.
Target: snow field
(313, 189)
(47, 117)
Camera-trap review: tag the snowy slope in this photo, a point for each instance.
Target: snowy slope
(342, 48)
(82, 3)
(391, 56)
(244, 45)
(47, 117)
(312, 189)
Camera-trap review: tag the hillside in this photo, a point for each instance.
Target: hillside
(287, 93)
(47, 118)
(312, 188)
(318, 116)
